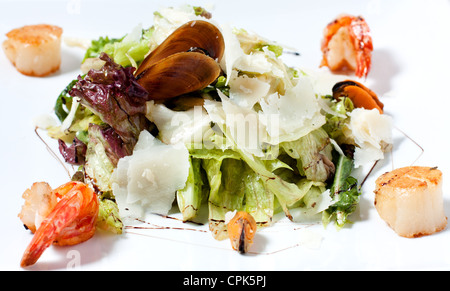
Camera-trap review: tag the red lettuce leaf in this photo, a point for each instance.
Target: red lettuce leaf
(114, 95)
(111, 142)
(75, 153)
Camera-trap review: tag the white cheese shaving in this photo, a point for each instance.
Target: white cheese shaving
(246, 91)
(297, 111)
(146, 181)
(191, 126)
(233, 50)
(322, 80)
(370, 130)
(169, 19)
(256, 62)
(240, 125)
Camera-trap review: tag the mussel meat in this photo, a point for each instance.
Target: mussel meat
(361, 96)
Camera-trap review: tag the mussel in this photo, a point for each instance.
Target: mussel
(179, 74)
(185, 62)
(361, 96)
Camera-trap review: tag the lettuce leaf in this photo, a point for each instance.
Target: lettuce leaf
(108, 216)
(113, 94)
(98, 46)
(191, 197)
(64, 101)
(73, 154)
(337, 119)
(227, 191)
(313, 153)
(129, 50)
(345, 193)
(104, 150)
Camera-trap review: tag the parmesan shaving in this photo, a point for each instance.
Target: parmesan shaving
(146, 181)
(370, 130)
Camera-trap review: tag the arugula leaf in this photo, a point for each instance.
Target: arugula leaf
(64, 100)
(344, 192)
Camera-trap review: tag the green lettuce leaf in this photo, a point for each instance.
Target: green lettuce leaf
(337, 122)
(108, 216)
(98, 46)
(191, 197)
(345, 193)
(130, 50)
(313, 153)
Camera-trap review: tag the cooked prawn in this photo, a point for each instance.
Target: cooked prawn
(347, 43)
(39, 202)
(241, 230)
(71, 221)
(35, 50)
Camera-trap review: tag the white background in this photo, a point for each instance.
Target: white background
(410, 73)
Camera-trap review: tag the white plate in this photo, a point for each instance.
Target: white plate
(409, 72)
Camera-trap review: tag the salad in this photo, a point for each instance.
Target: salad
(263, 137)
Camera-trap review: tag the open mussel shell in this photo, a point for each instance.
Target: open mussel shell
(179, 74)
(197, 35)
(360, 95)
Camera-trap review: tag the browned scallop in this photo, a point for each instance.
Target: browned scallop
(35, 50)
(410, 200)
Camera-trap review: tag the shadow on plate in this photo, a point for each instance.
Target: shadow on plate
(384, 68)
(70, 63)
(76, 256)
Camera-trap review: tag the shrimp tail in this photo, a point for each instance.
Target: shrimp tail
(72, 221)
(64, 213)
(363, 46)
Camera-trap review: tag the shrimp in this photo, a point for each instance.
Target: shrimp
(35, 50)
(71, 221)
(241, 230)
(39, 202)
(347, 43)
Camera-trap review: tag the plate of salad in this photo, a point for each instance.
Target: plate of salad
(221, 136)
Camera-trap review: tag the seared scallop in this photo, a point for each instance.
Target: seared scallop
(410, 200)
(35, 50)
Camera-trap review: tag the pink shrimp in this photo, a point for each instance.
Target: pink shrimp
(347, 43)
(71, 221)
